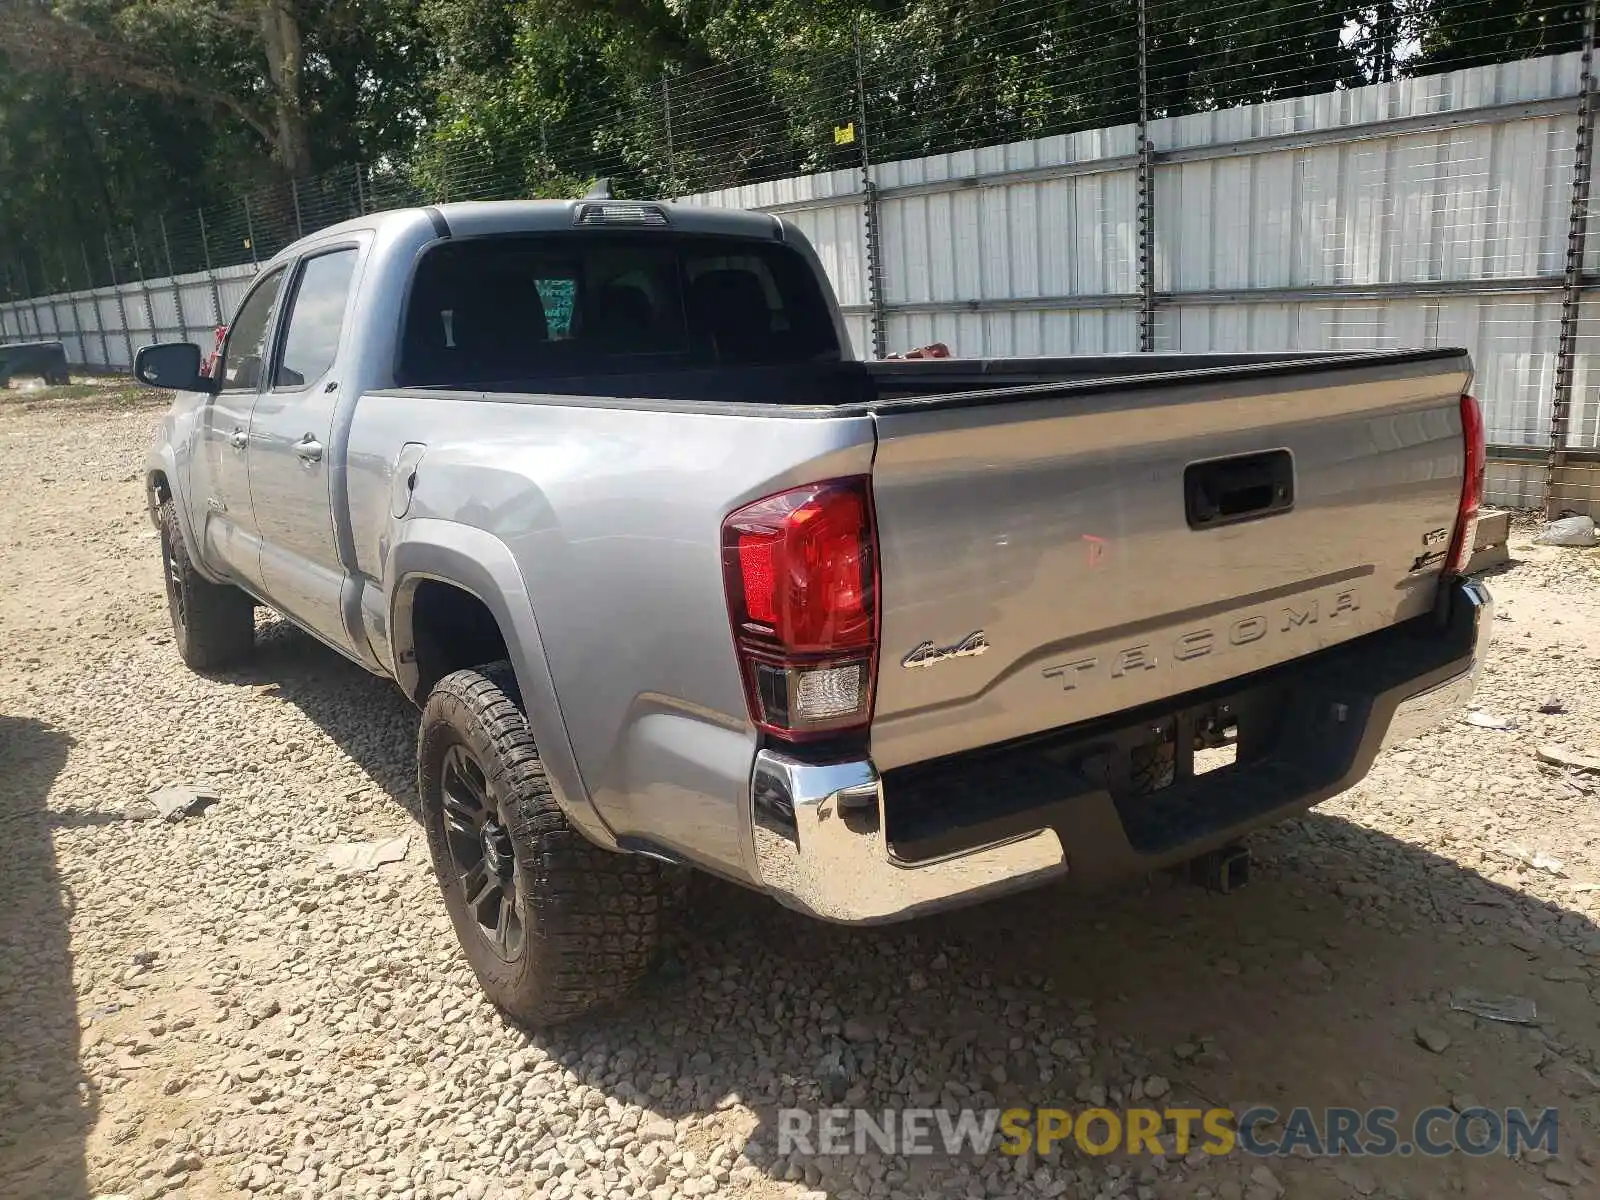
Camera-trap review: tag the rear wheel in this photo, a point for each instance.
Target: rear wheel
(213, 624)
(552, 925)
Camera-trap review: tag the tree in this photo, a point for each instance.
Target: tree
(105, 104)
(73, 163)
(280, 39)
(297, 73)
(1451, 34)
(188, 49)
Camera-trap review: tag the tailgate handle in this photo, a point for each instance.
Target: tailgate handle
(1247, 488)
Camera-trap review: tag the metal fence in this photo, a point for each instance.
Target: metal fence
(102, 327)
(1447, 207)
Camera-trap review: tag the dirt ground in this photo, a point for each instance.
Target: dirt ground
(206, 1009)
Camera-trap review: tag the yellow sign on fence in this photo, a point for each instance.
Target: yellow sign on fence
(844, 135)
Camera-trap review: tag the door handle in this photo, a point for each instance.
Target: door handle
(309, 449)
(239, 439)
(1243, 488)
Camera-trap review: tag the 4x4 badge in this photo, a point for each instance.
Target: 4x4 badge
(927, 653)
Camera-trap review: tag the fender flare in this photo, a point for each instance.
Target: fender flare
(481, 564)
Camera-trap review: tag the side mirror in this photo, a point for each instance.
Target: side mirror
(174, 366)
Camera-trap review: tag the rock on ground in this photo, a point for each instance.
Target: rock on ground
(205, 1007)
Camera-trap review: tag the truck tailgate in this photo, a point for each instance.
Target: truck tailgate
(1081, 550)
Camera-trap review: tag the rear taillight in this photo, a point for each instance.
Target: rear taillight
(802, 578)
(1477, 453)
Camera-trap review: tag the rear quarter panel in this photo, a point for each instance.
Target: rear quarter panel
(613, 515)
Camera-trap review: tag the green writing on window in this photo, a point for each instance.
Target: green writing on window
(559, 296)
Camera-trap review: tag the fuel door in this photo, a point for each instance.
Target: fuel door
(403, 481)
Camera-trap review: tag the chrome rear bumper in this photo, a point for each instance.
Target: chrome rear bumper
(817, 830)
(819, 847)
(1429, 709)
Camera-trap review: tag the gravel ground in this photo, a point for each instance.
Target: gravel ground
(205, 1009)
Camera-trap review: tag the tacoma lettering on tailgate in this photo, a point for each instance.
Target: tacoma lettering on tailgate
(1202, 640)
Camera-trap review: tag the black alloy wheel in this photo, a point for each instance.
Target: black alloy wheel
(482, 858)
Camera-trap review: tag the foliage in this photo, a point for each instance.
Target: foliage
(112, 108)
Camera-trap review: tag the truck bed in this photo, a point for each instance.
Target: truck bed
(853, 387)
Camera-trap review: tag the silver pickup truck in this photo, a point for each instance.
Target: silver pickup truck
(677, 582)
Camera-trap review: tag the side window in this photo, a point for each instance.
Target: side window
(244, 353)
(316, 316)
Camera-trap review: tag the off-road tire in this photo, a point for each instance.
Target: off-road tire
(213, 624)
(591, 920)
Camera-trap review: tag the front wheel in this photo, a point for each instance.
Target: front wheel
(552, 925)
(214, 624)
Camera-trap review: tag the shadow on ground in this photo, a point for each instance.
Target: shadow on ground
(1306, 988)
(46, 1108)
(367, 717)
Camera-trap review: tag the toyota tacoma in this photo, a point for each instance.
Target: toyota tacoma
(677, 582)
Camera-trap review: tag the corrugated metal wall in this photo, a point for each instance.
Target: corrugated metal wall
(105, 326)
(1429, 211)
